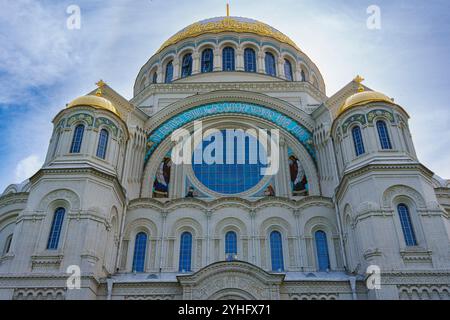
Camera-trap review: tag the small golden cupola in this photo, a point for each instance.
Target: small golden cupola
(96, 101)
(363, 97)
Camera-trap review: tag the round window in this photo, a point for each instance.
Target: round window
(229, 161)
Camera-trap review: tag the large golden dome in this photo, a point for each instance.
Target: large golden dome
(94, 101)
(362, 98)
(228, 24)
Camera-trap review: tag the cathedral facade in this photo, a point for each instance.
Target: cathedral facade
(348, 211)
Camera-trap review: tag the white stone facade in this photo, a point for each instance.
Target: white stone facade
(352, 198)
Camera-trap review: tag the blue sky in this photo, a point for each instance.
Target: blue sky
(43, 65)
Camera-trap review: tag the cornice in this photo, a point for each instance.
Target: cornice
(203, 87)
(227, 202)
(377, 168)
(77, 171)
(13, 198)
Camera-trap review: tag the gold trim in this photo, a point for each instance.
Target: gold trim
(228, 24)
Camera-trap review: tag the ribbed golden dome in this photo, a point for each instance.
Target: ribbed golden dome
(94, 101)
(362, 98)
(228, 24)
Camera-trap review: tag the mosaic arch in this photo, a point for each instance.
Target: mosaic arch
(303, 135)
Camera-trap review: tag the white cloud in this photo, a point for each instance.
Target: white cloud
(28, 167)
(35, 48)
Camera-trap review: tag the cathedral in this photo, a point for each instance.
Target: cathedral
(230, 174)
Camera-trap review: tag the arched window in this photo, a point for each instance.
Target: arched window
(56, 144)
(186, 66)
(276, 251)
(7, 244)
(249, 60)
(288, 70)
(303, 75)
(77, 139)
(140, 248)
(155, 77)
(405, 138)
(185, 252)
(207, 60)
(358, 141)
(323, 258)
(384, 135)
(271, 68)
(55, 231)
(228, 59)
(169, 72)
(102, 144)
(230, 245)
(407, 227)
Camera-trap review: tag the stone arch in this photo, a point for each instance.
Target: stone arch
(140, 225)
(216, 280)
(275, 224)
(319, 222)
(186, 224)
(393, 192)
(156, 141)
(206, 44)
(230, 224)
(228, 43)
(66, 195)
(232, 294)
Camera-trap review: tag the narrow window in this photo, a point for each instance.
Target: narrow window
(7, 247)
(155, 77)
(276, 250)
(407, 228)
(77, 139)
(323, 259)
(207, 60)
(55, 146)
(383, 134)
(55, 231)
(271, 69)
(358, 141)
(185, 252)
(249, 60)
(230, 245)
(288, 70)
(102, 144)
(186, 67)
(303, 75)
(169, 72)
(228, 59)
(140, 248)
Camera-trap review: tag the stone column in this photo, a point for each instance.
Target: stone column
(176, 70)
(162, 240)
(253, 236)
(299, 250)
(282, 177)
(217, 60)
(280, 68)
(208, 236)
(261, 67)
(239, 60)
(195, 63)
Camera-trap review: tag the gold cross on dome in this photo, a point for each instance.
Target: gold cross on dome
(359, 80)
(100, 85)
